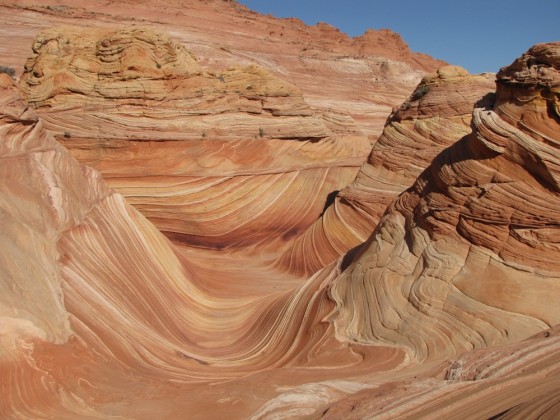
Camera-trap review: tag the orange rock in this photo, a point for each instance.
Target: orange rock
(436, 115)
(214, 159)
(92, 293)
(468, 256)
(359, 79)
(516, 380)
(101, 315)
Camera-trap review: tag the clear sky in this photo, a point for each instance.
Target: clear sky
(479, 35)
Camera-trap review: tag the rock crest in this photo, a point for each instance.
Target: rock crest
(459, 242)
(180, 303)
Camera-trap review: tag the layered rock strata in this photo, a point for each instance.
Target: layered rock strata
(436, 115)
(519, 380)
(100, 315)
(122, 328)
(360, 78)
(468, 256)
(214, 159)
(103, 316)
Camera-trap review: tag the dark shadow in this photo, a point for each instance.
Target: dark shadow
(352, 256)
(503, 414)
(486, 102)
(329, 201)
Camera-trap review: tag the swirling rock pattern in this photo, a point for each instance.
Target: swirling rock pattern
(352, 80)
(217, 160)
(102, 316)
(468, 257)
(513, 381)
(38, 203)
(436, 115)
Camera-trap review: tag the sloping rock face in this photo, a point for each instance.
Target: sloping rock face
(214, 159)
(359, 79)
(519, 380)
(100, 315)
(468, 257)
(31, 302)
(436, 115)
(47, 198)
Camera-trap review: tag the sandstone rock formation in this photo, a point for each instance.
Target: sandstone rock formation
(512, 381)
(360, 78)
(468, 256)
(214, 159)
(449, 308)
(436, 115)
(101, 315)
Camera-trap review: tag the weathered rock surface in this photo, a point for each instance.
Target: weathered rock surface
(519, 380)
(445, 310)
(436, 115)
(101, 316)
(214, 159)
(468, 256)
(358, 78)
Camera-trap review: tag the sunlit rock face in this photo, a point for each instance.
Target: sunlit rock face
(215, 159)
(436, 115)
(31, 301)
(102, 316)
(47, 199)
(468, 256)
(519, 380)
(349, 79)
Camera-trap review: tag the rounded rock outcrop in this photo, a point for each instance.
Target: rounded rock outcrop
(238, 152)
(437, 114)
(468, 256)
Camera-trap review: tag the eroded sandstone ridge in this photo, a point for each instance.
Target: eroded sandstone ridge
(359, 78)
(448, 307)
(436, 115)
(468, 256)
(215, 159)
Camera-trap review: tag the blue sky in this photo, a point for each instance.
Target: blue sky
(479, 35)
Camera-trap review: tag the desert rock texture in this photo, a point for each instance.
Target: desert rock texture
(352, 79)
(437, 114)
(209, 213)
(213, 159)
